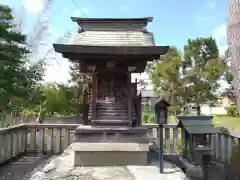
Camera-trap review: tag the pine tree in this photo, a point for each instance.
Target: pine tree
(18, 79)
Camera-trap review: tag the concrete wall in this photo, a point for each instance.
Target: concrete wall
(207, 110)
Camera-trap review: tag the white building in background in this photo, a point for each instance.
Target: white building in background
(142, 77)
(149, 97)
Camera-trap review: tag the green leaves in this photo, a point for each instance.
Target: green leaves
(191, 77)
(202, 68)
(166, 77)
(18, 80)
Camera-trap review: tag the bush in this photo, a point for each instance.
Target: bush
(232, 111)
(216, 121)
(148, 117)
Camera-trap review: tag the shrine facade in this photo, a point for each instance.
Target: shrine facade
(110, 50)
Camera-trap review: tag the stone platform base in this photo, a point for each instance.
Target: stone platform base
(90, 134)
(110, 154)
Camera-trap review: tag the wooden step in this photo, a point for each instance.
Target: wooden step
(108, 122)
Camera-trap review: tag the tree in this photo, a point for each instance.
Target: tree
(80, 82)
(202, 68)
(165, 74)
(228, 76)
(57, 99)
(18, 77)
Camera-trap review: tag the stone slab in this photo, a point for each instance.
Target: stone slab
(111, 134)
(110, 154)
(110, 158)
(90, 129)
(110, 147)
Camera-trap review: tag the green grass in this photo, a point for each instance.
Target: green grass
(227, 122)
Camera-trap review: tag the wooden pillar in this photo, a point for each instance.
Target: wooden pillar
(129, 98)
(85, 108)
(140, 109)
(94, 90)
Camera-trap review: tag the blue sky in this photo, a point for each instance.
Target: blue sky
(174, 20)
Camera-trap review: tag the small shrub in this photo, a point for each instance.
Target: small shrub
(148, 117)
(184, 153)
(224, 130)
(232, 111)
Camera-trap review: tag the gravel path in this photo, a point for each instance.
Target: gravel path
(23, 168)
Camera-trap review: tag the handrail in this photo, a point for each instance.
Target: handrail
(54, 138)
(11, 128)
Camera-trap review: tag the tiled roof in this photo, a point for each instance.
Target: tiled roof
(114, 38)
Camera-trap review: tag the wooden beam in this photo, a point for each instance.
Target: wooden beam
(111, 50)
(109, 57)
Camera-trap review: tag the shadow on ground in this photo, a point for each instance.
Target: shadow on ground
(23, 167)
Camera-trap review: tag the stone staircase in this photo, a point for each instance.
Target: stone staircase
(110, 114)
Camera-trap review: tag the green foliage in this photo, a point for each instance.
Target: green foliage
(202, 68)
(184, 153)
(193, 78)
(232, 111)
(216, 121)
(55, 100)
(18, 78)
(228, 76)
(80, 82)
(148, 115)
(166, 77)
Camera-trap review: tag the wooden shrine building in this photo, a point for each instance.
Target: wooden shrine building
(110, 50)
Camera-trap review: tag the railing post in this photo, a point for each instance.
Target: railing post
(218, 146)
(230, 148)
(66, 138)
(25, 140)
(11, 144)
(33, 140)
(161, 148)
(50, 140)
(175, 139)
(58, 140)
(167, 139)
(223, 147)
(41, 140)
(2, 147)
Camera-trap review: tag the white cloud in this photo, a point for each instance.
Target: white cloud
(81, 12)
(211, 4)
(220, 34)
(57, 71)
(33, 5)
(123, 7)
